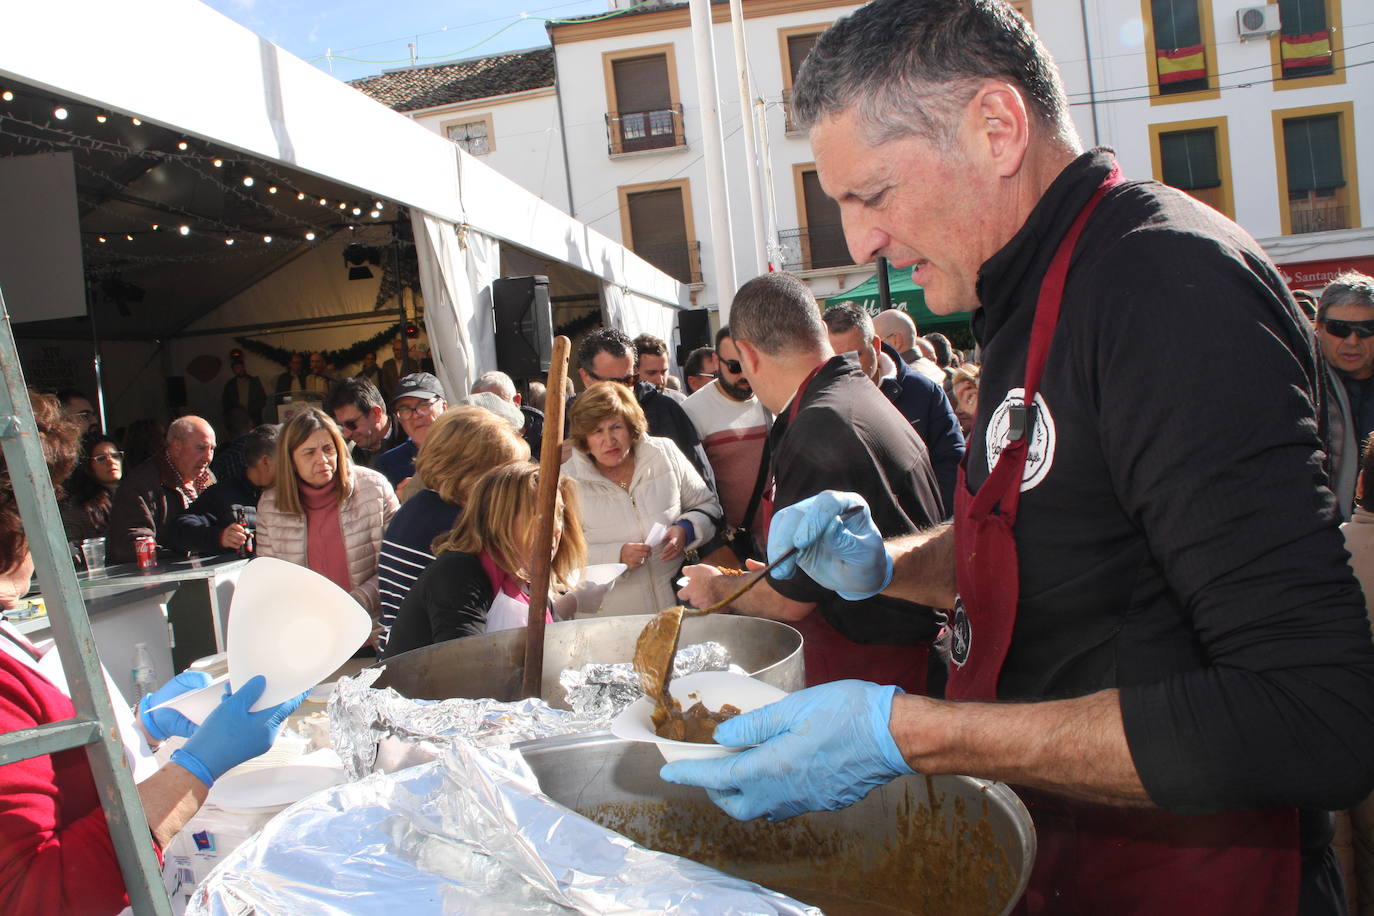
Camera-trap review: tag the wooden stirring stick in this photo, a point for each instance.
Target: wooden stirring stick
(546, 504)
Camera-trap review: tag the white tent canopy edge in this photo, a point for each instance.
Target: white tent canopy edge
(189, 68)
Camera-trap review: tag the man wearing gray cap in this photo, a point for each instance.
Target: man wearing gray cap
(417, 403)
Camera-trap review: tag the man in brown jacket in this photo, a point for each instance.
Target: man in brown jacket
(161, 487)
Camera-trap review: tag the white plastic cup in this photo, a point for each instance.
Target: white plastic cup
(93, 550)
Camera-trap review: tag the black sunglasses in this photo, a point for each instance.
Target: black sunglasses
(1343, 329)
(628, 381)
(733, 365)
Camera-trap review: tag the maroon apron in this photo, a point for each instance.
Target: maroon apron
(1096, 859)
(831, 656)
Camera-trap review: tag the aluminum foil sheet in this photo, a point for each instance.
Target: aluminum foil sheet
(468, 833)
(601, 691)
(380, 730)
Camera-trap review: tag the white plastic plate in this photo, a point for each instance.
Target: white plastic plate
(715, 689)
(199, 703)
(272, 787)
(292, 626)
(603, 573)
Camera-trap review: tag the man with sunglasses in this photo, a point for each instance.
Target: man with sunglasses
(608, 355)
(1345, 333)
(358, 407)
(418, 402)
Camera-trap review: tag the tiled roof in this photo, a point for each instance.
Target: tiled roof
(445, 84)
(632, 11)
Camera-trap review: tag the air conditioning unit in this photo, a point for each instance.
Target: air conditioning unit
(1257, 21)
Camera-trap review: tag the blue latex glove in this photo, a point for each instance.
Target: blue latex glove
(819, 749)
(231, 734)
(845, 555)
(161, 724)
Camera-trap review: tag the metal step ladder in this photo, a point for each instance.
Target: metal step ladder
(94, 726)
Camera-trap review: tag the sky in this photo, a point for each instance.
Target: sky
(355, 38)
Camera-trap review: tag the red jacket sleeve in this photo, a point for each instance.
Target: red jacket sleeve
(56, 855)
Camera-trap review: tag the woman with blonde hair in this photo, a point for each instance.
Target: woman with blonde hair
(480, 579)
(630, 482)
(462, 445)
(324, 512)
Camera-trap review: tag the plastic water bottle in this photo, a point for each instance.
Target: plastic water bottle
(144, 674)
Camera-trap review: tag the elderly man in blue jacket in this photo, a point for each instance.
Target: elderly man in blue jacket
(919, 399)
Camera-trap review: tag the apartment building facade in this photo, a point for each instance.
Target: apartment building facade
(1258, 110)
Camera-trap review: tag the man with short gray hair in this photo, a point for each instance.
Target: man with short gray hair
(897, 329)
(833, 428)
(1345, 335)
(500, 384)
(1156, 636)
(916, 397)
(160, 488)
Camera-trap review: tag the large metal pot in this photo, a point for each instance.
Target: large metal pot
(493, 664)
(971, 853)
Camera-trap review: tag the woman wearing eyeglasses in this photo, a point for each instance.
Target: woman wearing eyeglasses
(324, 512)
(629, 482)
(91, 489)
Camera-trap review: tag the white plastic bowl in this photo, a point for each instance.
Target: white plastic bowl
(715, 689)
(292, 626)
(199, 703)
(603, 573)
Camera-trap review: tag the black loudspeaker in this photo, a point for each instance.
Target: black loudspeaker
(693, 330)
(524, 325)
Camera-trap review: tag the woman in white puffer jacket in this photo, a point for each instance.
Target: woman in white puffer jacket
(628, 481)
(324, 512)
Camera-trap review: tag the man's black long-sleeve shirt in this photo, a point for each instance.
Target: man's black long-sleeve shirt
(1176, 536)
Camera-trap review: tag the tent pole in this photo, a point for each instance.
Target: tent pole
(884, 290)
(95, 363)
(401, 305)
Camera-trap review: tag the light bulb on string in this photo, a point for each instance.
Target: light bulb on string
(7, 96)
(379, 205)
(101, 119)
(228, 241)
(342, 205)
(183, 146)
(218, 163)
(155, 225)
(374, 214)
(357, 211)
(267, 239)
(184, 230)
(323, 202)
(272, 189)
(300, 195)
(135, 122)
(60, 113)
(310, 236)
(100, 239)
(128, 237)
(247, 181)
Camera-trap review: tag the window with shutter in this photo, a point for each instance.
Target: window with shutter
(1317, 168)
(645, 114)
(1305, 39)
(823, 243)
(473, 136)
(1194, 156)
(657, 229)
(1179, 44)
(793, 46)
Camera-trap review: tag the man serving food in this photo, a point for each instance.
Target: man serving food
(1157, 638)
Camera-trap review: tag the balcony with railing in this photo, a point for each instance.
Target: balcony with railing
(641, 131)
(1305, 217)
(814, 248)
(681, 261)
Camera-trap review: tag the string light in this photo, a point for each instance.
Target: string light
(323, 202)
(155, 225)
(343, 206)
(310, 236)
(7, 96)
(228, 241)
(136, 122)
(218, 163)
(101, 239)
(100, 118)
(60, 113)
(247, 181)
(267, 239)
(379, 205)
(183, 146)
(128, 237)
(300, 195)
(272, 190)
(184, 230)
(374, 214)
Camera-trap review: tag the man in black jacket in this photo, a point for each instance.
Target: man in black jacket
(222, 519)
(1158, 637)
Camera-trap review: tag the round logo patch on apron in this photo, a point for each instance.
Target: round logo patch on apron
(1040, 447)
(960, 634)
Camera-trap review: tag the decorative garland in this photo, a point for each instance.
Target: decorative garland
(345, 357)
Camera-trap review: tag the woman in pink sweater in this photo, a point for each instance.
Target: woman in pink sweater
(324, 512)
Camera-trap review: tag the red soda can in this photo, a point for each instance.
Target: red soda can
(145, 548)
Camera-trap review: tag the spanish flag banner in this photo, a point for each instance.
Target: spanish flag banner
(1181, 64)
(1300, 52)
